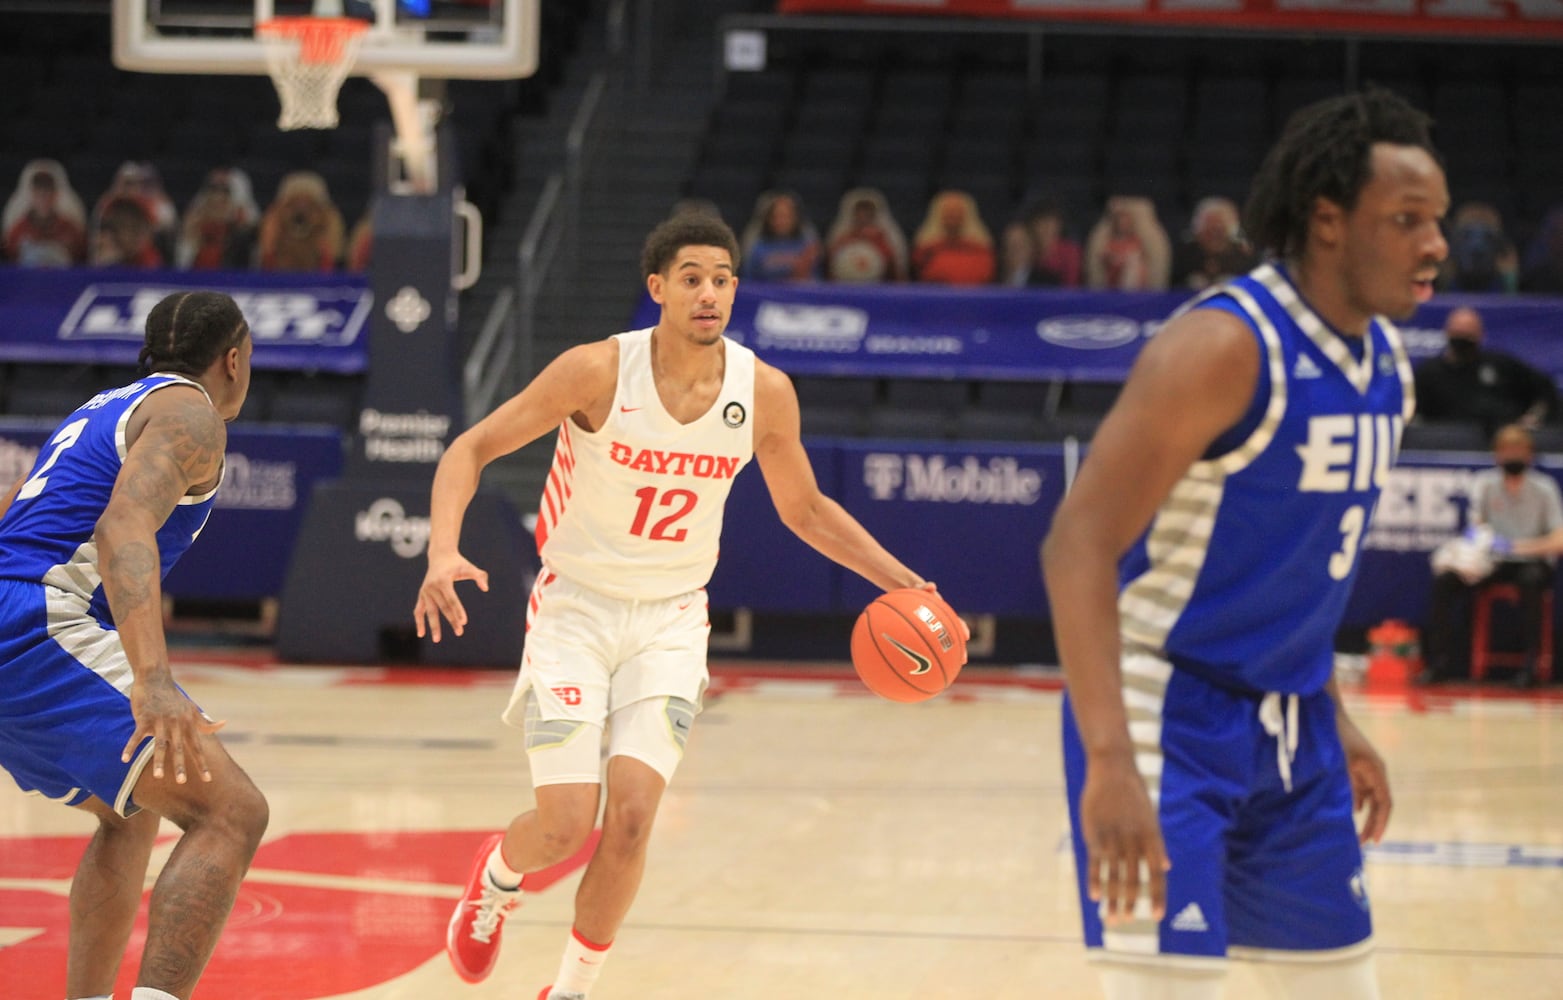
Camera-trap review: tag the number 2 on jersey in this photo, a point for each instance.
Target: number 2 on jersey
(662, 530)
(64, 439)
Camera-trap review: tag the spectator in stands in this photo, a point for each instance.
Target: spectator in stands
(45, 224)
(865, 244)
(1467, 383)
(1214, 249)
(124, 234)
(1481, 257)
(1017, 254)
(1544, 257)
(1128, 250)
(780, 243)
(953, 246)
(302, 229)
(219, 227)
(1059, 258)
(140, 180)
(1519, 512)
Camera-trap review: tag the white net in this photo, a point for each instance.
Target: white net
(309, 58)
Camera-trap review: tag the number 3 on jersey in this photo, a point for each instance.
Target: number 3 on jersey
(64, 439)
(679, 503)
(1351, 524)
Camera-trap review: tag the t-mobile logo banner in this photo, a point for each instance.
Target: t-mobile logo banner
(999, 479)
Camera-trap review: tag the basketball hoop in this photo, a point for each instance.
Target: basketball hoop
(309, 58)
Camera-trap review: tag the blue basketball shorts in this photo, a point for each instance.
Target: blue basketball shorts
(1255, 864)
(64, 700)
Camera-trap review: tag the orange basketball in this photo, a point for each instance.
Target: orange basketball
(907, 645)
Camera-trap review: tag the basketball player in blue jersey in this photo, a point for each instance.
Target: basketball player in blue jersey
(652, 427)
(89, 712)
(1201, 562)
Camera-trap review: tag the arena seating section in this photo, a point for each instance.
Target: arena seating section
(1176, 119)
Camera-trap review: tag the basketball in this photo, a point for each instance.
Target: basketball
(907, 645)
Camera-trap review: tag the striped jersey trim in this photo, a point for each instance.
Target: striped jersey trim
(1180, 535)
(1358, 373)
(559, 487)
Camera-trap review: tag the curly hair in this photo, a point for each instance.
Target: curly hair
(686, 229)
(1325, 151)
(188, 331)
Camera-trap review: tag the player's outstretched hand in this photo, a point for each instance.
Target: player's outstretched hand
(172, 720)
(437, 596)
(1125, 857)
(1369, 781)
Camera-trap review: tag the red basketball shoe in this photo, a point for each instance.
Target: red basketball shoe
(472, 940)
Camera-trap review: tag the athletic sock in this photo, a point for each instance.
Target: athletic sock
(105, 996)
(501, 874)
(148, 993)
(581, 964)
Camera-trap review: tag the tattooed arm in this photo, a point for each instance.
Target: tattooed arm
(176, 447)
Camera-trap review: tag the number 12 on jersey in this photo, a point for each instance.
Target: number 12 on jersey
(678, 503)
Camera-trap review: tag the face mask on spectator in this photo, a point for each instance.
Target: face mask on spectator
(1514, 467)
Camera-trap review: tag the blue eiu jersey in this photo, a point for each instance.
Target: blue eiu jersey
(1246, 568)
(47, 535)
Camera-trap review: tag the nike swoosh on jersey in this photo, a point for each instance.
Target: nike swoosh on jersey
(629, 409)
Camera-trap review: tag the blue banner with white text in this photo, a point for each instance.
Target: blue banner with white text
(98, 316)
(244, 548)
(923, 331)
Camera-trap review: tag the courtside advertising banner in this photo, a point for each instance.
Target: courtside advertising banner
(98, 316)
(1515, 19)
(930, 331)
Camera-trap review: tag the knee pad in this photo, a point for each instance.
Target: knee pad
(1151, 980)
(1351, 976)
(562, 751)
(654, 731)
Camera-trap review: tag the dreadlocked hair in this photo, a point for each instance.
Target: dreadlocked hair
(1325, 151)
(187, 331)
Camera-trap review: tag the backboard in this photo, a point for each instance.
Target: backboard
(431, 39)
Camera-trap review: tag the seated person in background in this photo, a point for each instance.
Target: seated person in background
(1487, 388)
(123, 236)
(780, 243)
(45, 224)
(218, 231)
(952, 246)
(1481, 257)
(141, 180)
(1128, 250)
(1017, 255)
(1543, 270)
(1059, 259)
(865, 244)
(302, 229)
(1214, 249)
(1523, 511)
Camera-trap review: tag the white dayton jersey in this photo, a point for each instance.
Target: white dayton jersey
(634, 509)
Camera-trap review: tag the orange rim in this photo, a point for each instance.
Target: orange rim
(321, 39)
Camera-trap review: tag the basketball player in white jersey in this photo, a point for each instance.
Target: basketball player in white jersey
(653, 426)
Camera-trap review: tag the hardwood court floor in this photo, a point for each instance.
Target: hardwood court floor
(817, 843)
